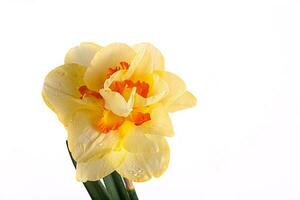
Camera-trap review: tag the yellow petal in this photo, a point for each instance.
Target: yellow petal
(187, 100)
(176, 87)
(134, 139)
(142, 166)
(160, 123)
(82, 54)
(84, 140)
(142, 63)
(157, 59)
(148, 58)
(115, 102)
(99, 167)
(109, 56)
(60, 90)
(158, 90)
(117, 76)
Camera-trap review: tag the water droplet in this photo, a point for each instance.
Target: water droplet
(131, 172)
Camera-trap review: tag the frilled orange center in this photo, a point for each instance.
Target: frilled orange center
(142, 88)
(85, 91)
(110, 121)
(112, 70)
(139, 118)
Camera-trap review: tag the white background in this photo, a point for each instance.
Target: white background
(240, 58)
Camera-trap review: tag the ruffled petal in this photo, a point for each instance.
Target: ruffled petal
(60, 90)
(99, 167)
(157, 59)
(84, 140)
(142, 166)
(117, 76)
(134, 139)
(187, 100)
(160, 123)
(142, 63)
(82, 54)
(148, 59)
(109, 56)
(115, 102)
(176, 87)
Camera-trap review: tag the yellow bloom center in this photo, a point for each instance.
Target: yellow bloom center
(111, 121)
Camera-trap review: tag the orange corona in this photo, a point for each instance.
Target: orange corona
(142, 88)
(112, 70)
(110, 121)
(85, 91)
(139, 118)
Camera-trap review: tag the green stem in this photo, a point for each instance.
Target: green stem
(95, 189)
(130, 189)
(120, 186)
(111, 187)
(115, 186)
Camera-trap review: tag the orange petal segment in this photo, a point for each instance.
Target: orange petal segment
(118, 86)
(142, 88)
(124, 65)
(109, 122)
(139, 118)
(112, 70)
(85, 91)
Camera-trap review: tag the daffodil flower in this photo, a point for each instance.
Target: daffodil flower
(114, 102)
